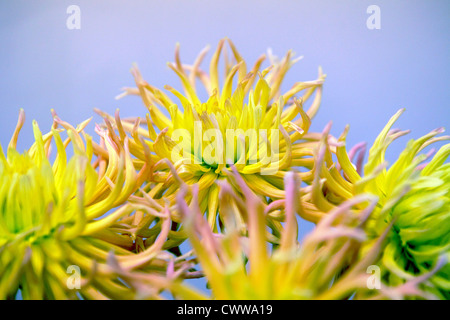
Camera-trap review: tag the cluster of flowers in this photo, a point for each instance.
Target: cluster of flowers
(119, 209)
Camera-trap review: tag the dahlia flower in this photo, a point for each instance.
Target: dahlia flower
(322, 267)
(413, 196)
(250, 125)
(58, 220)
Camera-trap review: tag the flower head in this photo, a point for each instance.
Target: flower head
(250, 125)
(327, 265)
(56, 228)
(413, 196)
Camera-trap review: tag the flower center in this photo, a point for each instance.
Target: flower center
(27, 193)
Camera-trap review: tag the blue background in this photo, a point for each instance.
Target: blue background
(371, 73)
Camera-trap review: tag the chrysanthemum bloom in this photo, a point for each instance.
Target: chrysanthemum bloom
(322, 267)
(413, 195)
(56, 224)
(250, 125)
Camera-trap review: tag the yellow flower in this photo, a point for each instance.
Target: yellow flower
(56, 225)
(327, 265)
(413, 196)
(250, 125)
